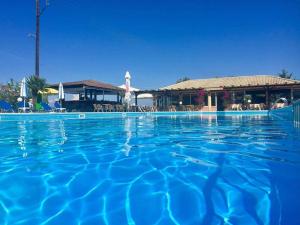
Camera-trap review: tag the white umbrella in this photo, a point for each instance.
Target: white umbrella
(132, 89)
(61, 93)
(127, 85)
(145, 96)
(23, 91)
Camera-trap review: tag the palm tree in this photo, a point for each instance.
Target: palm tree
(285, 74)
(35, 84)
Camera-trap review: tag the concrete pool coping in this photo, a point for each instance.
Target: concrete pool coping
(96, 115)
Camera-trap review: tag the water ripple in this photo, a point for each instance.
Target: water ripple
(150, 170)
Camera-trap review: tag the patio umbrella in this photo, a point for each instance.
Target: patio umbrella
(61, 93)
(145, 96)
(127, 85)
(49, 91)
(23, 91)
(132, 89)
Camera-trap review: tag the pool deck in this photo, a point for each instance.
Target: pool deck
(95, 115)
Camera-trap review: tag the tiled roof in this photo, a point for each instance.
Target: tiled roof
(90, 84)
(231, 82)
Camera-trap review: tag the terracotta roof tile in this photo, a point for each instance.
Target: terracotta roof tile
(224, 82)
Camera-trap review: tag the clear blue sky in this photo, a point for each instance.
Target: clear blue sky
(158, 41)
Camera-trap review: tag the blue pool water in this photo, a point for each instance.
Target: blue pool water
(150, 170)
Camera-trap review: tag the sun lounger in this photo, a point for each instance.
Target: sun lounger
(153, 109)
(98, 108)
(38, 107)
(237, 107)
(262, 106)
(142, 109)
(58, 107)
(5, 107)
(108, 107)
(22, 108)
(172, 108)
(255, 107)
(46, 107)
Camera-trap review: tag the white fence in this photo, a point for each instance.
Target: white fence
(296, 113)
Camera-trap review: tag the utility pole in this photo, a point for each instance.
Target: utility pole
(39, 12)
(37, 39)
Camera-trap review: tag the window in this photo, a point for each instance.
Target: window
(175, 100)
(296, 94)
(186, 99)
(195, 100)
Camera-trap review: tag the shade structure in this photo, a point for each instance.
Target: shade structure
(49, 91)
(81, 95)
(23, 92)
(127, 88)
(61, 93)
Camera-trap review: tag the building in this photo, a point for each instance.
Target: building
(225, 93)
(90, 92)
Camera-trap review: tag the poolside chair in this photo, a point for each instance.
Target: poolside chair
(95, 107)
(190, 108)
(154, 109)
(257, 107)
(262, 106)
(121, 108)
(5, 106)
(141, 109)
(240, 107)
(198, 108)
(117, 108)
(172, 108)
(237, 107)
(21, 107)
(98, 108)
(38, 107)
(58, 107)
(108, 108)
(46, 107)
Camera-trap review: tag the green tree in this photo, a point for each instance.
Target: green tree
(285, 74)
(10, 92)
(35, 84)
(182, 79)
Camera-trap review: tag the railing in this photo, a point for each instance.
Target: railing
(296, 113)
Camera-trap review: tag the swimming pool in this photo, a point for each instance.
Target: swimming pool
(149, 169)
